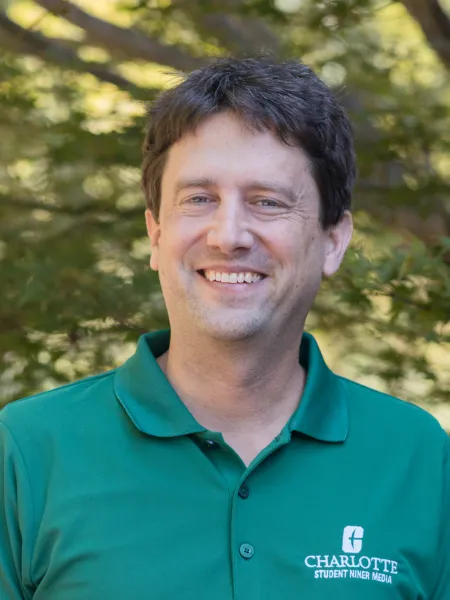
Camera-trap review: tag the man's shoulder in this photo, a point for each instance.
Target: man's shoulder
(66, 402)
(389, 414)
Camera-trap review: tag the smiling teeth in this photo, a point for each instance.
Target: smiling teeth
(247, 277)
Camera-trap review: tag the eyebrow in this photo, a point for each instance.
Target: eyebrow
(274, 186)
(183, 184)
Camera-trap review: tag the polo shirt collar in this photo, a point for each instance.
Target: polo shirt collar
(323, 410)
(155, 408)
(146, 394)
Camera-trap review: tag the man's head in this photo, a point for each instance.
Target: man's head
(248, 167)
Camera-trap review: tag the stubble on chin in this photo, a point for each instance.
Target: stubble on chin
(222, 324)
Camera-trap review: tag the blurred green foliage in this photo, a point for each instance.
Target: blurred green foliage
(76, 287)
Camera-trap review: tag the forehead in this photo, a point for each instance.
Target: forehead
(225, 149)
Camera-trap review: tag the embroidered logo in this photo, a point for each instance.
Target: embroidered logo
(352, 539)
(352, 564)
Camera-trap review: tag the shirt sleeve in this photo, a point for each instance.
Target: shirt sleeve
(14, 491)
(442, 589)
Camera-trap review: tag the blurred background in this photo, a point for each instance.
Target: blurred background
(75, 77)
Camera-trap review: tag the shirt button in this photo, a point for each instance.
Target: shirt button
(246, 551)
(244, 492)
(211, 444)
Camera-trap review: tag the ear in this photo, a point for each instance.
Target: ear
(154, 233)
(337, 242)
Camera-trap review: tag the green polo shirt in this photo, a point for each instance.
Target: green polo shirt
(111, 490)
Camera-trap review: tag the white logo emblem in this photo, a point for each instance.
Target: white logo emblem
(352, 564)
(352, 539)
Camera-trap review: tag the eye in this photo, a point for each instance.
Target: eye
(269, 203)
(198, 200)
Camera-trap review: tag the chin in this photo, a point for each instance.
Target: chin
(235, 331)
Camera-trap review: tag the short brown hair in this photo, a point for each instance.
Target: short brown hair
(284, 96)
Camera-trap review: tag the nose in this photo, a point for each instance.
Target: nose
(230, 227)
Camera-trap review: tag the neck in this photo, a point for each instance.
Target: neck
(232, 387)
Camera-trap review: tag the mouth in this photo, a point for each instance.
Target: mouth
(238, 278)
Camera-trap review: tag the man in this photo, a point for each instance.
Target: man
(225, 460)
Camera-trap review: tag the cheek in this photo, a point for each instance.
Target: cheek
(303, 254)
(295, 250)
(182, 232)
(175, 252)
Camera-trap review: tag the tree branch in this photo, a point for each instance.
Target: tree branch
(28, 204)
(238, 34)
(16, 38)
(31, 204)
(121, 42)
(245, 36)
(435, 24)
(428, 228)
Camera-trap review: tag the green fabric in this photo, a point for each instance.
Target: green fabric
(110, 490)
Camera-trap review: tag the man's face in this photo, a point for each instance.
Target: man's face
(238, 204)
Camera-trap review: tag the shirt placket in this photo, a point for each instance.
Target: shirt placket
(246, 558)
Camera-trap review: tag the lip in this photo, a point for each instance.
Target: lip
(232, 269)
